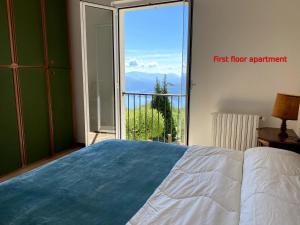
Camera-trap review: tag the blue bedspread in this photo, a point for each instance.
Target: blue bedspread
(104, 184)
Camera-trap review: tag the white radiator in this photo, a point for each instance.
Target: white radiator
(235, 131)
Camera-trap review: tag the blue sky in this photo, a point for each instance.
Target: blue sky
(153, 39)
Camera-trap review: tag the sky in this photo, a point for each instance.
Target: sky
(154, 38)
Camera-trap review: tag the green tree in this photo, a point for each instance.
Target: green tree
(162, 104)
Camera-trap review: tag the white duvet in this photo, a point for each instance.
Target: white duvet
(213, 186)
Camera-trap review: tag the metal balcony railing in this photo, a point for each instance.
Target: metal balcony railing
(156, 117)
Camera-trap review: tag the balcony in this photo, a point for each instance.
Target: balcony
(155, 117)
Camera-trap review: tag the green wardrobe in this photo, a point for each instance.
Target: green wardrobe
(35, 88)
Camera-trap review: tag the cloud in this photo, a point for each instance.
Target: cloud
(164, 62)
(133, 63)
(152, 64)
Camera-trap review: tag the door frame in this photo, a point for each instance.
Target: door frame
(188, 69)
(83, 6)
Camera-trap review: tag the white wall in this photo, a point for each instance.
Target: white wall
(76, 65)
(243, 28)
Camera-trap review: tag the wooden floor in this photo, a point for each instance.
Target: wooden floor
(36, 164)
(97, 137)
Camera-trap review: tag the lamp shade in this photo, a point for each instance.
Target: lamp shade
(286, 107)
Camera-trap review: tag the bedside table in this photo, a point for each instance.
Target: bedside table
(268, 136)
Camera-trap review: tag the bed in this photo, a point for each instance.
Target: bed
(148, 183)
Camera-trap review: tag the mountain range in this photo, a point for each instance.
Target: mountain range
(145, 82)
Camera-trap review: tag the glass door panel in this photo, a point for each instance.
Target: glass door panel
(98, 33)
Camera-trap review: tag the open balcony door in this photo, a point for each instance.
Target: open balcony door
(100, 72)
(105, 98)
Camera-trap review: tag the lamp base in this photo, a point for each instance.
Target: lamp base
(283, 133)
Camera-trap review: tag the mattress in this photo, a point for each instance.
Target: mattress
(104, 184)
(214, 186)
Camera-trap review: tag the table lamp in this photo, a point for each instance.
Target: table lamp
(286, 107)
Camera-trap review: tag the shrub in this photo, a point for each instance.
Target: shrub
(143, 127)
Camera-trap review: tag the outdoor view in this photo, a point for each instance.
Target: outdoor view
(155, 46)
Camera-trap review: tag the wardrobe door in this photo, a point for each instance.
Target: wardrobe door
(28, 28)
(9, 139)
(4, 35)
(61, 108)
(35, 113)
(56, 23)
